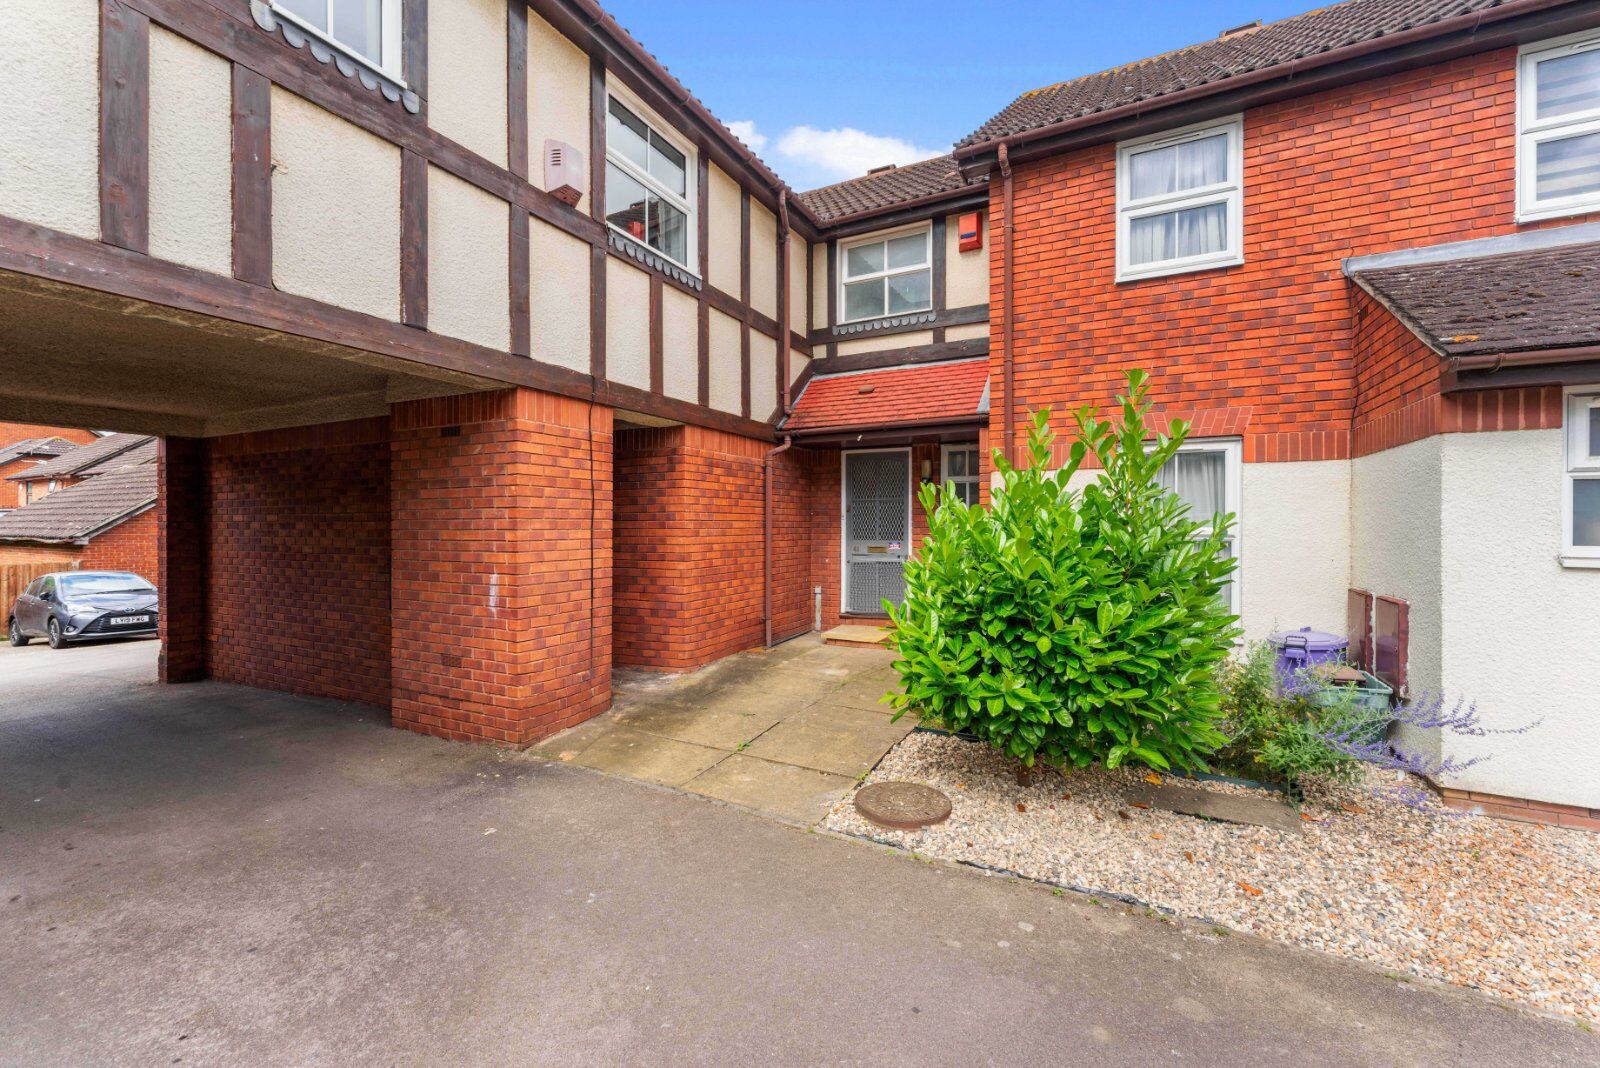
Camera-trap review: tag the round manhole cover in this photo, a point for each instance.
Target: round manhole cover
(904, 806)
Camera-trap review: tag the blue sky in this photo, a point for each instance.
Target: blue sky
(834, 86)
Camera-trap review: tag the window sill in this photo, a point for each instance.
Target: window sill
(326, 51)
(634, 249)
(1144, 273)
(1581, 563)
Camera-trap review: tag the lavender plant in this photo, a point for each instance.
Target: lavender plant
(1426, 713)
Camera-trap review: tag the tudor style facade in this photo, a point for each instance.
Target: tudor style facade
(469, 312)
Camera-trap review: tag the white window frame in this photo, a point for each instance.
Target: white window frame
(1230, 192)
(1531, 132)
(884, 237)
(688, 203)
(388, 65)
(1232, 450)
(1578, 465)
(945, 478)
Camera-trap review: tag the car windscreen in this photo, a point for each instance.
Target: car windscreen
(106, 582)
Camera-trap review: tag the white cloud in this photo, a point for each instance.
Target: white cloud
(809, 157)
(847, 152)
(746, 131)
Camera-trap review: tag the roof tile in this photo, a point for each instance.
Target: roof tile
(884, 189)
(1512, 302)
(1213, 62)
(921, 393)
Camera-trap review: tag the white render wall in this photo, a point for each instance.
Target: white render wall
(1394, 552)
(191, 154)
(1294, 533)
(50, 136)
(1521, 632)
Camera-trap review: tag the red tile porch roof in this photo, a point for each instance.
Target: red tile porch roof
(932, 393)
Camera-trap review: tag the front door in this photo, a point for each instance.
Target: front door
(877, 528)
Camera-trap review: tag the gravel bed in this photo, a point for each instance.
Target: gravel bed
(1383, 873)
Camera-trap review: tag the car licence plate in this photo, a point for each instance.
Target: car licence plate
(127, 621)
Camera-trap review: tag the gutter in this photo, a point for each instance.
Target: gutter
(1530, 357)
(1468, 24)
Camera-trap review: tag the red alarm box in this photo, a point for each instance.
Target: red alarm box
(970, 231)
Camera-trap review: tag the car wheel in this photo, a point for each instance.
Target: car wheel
(57, 639)
(14, 632)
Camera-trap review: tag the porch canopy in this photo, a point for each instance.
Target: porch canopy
(1503, 312)
(946, 401)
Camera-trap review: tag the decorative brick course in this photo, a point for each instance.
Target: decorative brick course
(1523, 810)
(501, 542)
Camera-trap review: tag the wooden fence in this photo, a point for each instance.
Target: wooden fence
(14, 578)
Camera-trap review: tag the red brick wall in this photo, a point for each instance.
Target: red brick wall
(181, 544)
(689, 549)
(298, 560)
(1418, 158)
(827, 532)
(11, 433)
(502, 565)
(128, 546)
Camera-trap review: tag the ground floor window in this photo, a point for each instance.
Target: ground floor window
(1207, 475)
(1581, 494)
(960, 470)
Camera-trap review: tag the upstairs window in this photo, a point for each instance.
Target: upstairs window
(368, 30)
(649, 188)
(1180, 201)
(1558, 129)
(885, 276)
(1581, 495)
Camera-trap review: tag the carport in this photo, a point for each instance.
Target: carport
(344, 512)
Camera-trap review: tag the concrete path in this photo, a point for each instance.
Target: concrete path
(213, 875)
(785, 732)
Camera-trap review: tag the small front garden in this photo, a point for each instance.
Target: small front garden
(1071, 650)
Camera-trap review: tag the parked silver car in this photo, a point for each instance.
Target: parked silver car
(78, 606)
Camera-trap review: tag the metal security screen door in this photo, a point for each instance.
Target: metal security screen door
(877, 528)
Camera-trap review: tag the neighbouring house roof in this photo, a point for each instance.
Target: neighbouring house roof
(78, 460)
(77, 513)
(1520, 301)
(1213, 63)
(884, 189)
(930, 393)
(146, 453)
(44, 447)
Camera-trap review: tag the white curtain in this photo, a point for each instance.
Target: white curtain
(1190, 165)
(1174, 234)
(1200, 481)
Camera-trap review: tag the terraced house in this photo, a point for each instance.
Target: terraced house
(463, 321)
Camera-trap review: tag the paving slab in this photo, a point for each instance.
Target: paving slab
(1232, 808)
(822, 743)
(621, 750)
(867, 691)
(782, 790)
(719, 728)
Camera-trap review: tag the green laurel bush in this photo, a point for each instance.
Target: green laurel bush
(1072, 626)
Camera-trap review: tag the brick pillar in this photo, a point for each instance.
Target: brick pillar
(181, 539)
(501, 575)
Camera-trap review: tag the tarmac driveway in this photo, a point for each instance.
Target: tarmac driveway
(214, 875)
